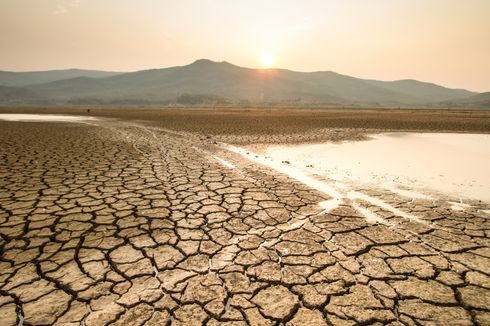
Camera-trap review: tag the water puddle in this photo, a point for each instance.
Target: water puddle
(410, 164)
(45, 118)
(413, 165)
(339, 192)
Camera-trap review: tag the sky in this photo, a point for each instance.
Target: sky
(441, 41)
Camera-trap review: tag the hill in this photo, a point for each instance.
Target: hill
(481, 100)
(10, 78)
(206, 82)
(425, 91)
(19, 95)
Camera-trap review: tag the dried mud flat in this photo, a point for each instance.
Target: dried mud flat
(130, 223)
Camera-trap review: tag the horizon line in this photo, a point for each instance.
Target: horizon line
(253, 68)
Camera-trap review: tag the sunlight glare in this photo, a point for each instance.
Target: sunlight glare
(266, 60)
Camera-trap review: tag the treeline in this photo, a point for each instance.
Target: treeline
(201, 99)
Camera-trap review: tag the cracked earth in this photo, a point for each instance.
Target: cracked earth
(115, 223)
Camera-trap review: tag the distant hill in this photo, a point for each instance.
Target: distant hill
(481, 100)
(19, 95)
(9, 78)
(206, 82)
(425, 91)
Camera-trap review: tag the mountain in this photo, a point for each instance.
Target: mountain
(9, 78)
(481, 100)
(425, 91)
(206, 82)
(19, 95)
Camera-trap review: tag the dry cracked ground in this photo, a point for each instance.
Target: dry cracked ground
(114, 223)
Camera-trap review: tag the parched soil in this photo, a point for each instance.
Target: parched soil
(258, 125)
(136, 220)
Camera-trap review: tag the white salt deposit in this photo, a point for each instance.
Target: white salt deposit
(458, 206)
(370, 216)
(224, 162)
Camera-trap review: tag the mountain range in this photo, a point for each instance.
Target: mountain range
(205, 82)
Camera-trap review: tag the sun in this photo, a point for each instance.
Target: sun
(267, 60)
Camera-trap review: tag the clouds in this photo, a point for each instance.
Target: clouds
(60, 10)
(65, 6)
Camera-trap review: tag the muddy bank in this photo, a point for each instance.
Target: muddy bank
(242, 126)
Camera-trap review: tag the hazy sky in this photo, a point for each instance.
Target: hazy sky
(441, 41)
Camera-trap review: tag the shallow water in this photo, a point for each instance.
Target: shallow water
(453, 164)
(44, 118)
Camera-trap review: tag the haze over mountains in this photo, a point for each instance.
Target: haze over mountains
(8, 78)
(206, 82)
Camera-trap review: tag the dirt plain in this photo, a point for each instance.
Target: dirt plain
(131, 220)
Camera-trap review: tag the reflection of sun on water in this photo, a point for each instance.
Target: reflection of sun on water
(266, 60)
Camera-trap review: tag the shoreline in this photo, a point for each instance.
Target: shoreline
(254, 126)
